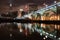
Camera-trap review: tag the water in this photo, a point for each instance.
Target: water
(28, 29)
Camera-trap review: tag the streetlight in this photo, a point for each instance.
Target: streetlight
(55, 2)
(21, 30)
(10, 4)
(44, 38)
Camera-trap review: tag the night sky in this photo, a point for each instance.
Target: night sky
(19, 2)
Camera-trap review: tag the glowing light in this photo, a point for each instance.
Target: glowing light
(29, 16)
(41, 34)
(46, 36)
(59, 38)
(10, 4)
(55, 36)
(10, 35)
(55, 1)
(43, 31)
(46, 33)
(20, 9)
(21, 30)
(51, 35)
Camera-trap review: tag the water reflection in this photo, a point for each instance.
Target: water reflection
(49, 30)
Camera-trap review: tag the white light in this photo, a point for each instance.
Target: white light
(10, 4)
(46, 36)
(21, 30)
(25, 15)
(41, 34)
(20, 9)
(51, 35)
(55, 1)
(55, 36)
(29, 26)
(43, 31)
(29, 16)
(46, 33)
(59, 38)
(10, 35)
